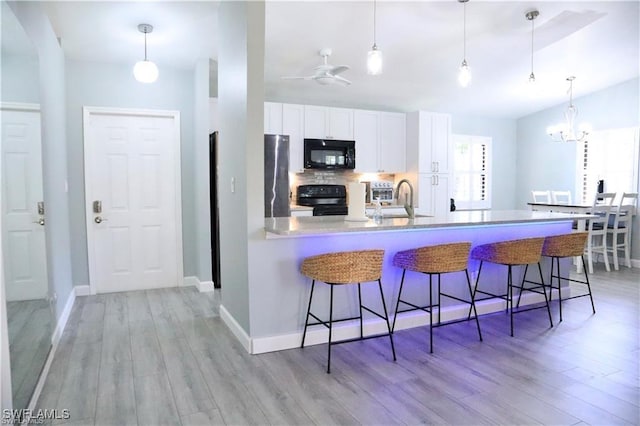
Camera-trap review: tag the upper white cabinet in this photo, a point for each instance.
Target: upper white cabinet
(293, 125)
(326, 122)
(366, 131)
(272, 118)
(380, 141)
(392, 152)
(429, 142)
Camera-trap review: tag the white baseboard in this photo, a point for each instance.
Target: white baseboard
(190, 281)
(351, 329)
(202, 286)
(64, 316)
(80, 290)
(237, 330)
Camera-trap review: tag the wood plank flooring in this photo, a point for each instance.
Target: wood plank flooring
(29, 328)
(165, 357)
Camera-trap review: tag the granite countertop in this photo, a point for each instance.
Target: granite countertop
(318, 225)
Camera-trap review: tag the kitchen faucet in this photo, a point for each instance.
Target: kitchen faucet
(407, 206)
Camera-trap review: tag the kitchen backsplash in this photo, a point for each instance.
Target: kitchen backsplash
(328, 177)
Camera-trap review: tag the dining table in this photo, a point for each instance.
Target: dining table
(566, 208)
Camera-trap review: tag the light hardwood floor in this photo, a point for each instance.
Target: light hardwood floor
(29, 327)
(165, 357)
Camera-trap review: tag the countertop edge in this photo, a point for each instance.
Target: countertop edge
(319, 226)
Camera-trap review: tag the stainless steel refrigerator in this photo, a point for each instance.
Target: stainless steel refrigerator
(276, 176)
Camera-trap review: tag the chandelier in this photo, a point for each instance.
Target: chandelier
(565, 132)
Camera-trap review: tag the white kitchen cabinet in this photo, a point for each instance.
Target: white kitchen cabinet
(434, 193)
(429, 147)
(293, 125)
(366, 132)
(392, 143)
(380, 141)
(326, 122)
(272, 118)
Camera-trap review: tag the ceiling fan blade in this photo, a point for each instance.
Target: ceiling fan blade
(339, 69)
(341, 80)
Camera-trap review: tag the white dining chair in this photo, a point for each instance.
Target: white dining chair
(541, 197)
(561, 197)
(597, 241)
(620, 228)
(604, 198)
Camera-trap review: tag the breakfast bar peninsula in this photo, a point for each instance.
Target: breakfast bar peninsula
(279, 302)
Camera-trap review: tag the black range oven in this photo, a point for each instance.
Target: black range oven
(326, 200)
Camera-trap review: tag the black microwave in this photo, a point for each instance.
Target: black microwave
(329, 154)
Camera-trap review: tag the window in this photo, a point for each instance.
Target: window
(610, 155)
(472, 172)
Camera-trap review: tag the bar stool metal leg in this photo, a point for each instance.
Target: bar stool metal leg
(330, 329)
(473, 305)
(386, 320)
(544, 293)
(395, 314)
(306, 321)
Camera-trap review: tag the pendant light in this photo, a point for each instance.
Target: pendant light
(374, 56)
(145, 71)
(464, 74)
(565, 132)
(531, 16)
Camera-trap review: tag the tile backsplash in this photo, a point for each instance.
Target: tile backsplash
(330, 177)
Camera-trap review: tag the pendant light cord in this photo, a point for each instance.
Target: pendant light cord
(464, 31)
(145, 45)
(374, 23)
(532, 27)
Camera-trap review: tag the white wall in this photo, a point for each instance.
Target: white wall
(51, 90)
(20, 79)
(240, 108)
(113, 85)
(202, 207)
(544, 164)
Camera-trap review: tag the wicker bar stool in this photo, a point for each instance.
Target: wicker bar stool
(435, 260)
(354, 267)
(567, 245)
(512, 253)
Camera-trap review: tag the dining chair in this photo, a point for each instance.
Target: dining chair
(604, 198)
(541, 197)
(620, 228)
(597, 241)
(561, 197)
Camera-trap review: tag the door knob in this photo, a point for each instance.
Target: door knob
(98, 219)
(39, 221)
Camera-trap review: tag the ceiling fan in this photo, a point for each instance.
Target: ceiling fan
(326, 73)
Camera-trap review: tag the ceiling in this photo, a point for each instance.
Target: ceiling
(598, 42)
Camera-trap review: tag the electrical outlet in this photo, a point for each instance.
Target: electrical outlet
(233, 185)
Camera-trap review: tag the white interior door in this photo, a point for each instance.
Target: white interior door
(132, 169)
(23, 226)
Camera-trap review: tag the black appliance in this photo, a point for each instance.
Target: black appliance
(213, 199)
(276, 176)
(329, 154)
(326, 200)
